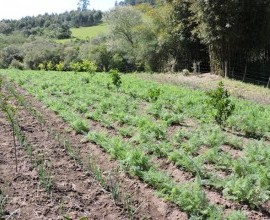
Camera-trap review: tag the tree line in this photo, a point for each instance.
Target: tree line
(52, 25)
(159, 36)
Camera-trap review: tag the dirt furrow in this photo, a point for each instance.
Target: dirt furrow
(135, 186)
(23, 195)
(148, 204)
(74, 193)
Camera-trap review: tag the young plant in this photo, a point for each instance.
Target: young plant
(10, 113)
(3, 201)
(153, 94)
(221, 104)
(116, 78)
(44, 174)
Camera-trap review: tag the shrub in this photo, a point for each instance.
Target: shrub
(42, 66)
(84, 66)
(185, 72)
(221, 104)
(60, 66)
(88, 66)
(50, 66)
(16, 64)
(116, 78)
(76, 67)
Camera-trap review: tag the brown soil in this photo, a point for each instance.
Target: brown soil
(147, 204)
(233, 152)
(74, 193)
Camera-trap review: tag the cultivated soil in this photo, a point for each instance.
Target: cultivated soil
(75, 192)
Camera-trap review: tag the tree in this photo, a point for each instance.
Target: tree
(232, 30)
(83, 4)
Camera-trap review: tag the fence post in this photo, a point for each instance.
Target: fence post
(194, 67)
(226, 69)
(199, 67)
(245, 73)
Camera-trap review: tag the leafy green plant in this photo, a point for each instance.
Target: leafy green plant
(220, 103)
(42, 66)
(60, 66)
(75, 66)
(88, 66)
(154, 93)
(246, 189)
(137, 162)
(116, 78)
(80, 126)
(50, 66)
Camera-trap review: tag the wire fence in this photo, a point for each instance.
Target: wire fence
(255, 73)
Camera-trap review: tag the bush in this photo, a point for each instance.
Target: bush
(60, 66)
(17, 65)
(42, 66)
(221, 104)
(116, 78)
(185, 72)
(50, 66)
(84, 66)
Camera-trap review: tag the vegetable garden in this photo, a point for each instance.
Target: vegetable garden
(161, 136)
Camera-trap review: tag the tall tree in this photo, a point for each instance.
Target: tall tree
(83, 4)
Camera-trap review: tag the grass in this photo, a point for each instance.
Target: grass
(86, 33)
(137, 120)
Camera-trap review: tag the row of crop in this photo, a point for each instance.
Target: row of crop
(149, 130)
(123, 199)
(133, 164)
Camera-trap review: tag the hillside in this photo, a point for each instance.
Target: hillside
(85, 33)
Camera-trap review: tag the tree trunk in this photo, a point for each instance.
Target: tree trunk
(215, 61)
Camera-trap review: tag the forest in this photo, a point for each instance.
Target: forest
(227, 38)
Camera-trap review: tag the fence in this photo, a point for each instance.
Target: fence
(256, 73)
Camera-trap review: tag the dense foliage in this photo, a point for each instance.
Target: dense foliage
(52, 25)
(158, 36)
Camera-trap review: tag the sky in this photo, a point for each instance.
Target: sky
(16, 9)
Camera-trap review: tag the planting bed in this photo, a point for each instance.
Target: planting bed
(143, 150)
